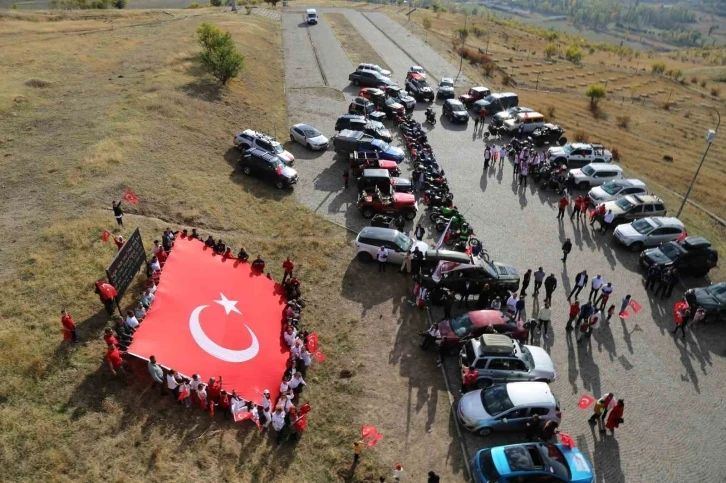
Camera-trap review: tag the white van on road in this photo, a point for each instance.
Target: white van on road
(311, 16)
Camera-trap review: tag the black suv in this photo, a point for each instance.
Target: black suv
(469, 278)
(260, 163)
(369, 78)
(693, 255)
(455, 111)
(356, 122)
(401, 96)
(419, 89)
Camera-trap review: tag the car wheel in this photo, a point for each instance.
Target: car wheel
(484, 431)
(279, 184)
(247, 170)
(562, 141)
(309, 146)
(484, 383)
(368, 213)
(410, 215)
(636, 247)
(292, 138)
(583, 185)
(365, 257)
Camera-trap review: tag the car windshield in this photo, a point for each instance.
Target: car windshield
(383, 146)
(718, 290)
(496, 400)
(277, 147)
(446, 84)
(567, 148)
(457, 106)
(404, 242)
(611, 188)
(488, 468)
(311, 132)
(525, 355)
(624, 204)
(670, 250)
(588, 170)
(642, 226)
(461, 326)
(491, 269)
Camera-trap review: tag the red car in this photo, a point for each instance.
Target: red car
(458, 330)
(474, 94)
(392, 204)
(364, 160)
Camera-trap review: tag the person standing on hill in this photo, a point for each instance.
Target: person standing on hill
(69, 327)
(288, 266)
(118, 213)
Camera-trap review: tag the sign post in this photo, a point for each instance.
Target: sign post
(126, 264)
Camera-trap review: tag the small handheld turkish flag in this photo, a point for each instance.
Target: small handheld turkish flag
(368, 431)
(242, 415)
(105, 235)
(567, 440)
(319, 356)
(130, 196)
(585, 401)
(279, 170)
(374, 440)
(682, 236)
(305, 408)
(624, 314)
(678, 308)
(313, 342)
(636, 306)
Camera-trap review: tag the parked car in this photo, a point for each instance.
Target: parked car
(401, 96)
(474, 94)
(692, 255)
(253, 139)
(361, 105)
(417, 86)
(531, 462)
(348, 141)
(496, 103)
(309, 137)
(577, 155)
(498, 359)
(469, 278)
(394, 204)
(416, 69)
(527, 122)
(383, 103)
(382, 179)
(446, 89)
(507, 407)
(361, 160)
(384, 150)
(258, 162)
(499, 118)
(371, 239)
(357, 122)
(548, 134)
(369, 78)
(649, 232)
(456, 331)
(634, 207)
(613, 190)
(596, 174)
(711, 298)
(376, 68)
(455, 111)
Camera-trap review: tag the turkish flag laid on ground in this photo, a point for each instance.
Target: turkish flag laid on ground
(215, 317)
(105, 235)
(130, 196)
(636, 306)
(567, 440)
(585, 401)
(370, 436)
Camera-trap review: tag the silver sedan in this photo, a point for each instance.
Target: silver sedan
(309, 137)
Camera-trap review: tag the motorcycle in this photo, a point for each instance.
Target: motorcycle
(431, 116)
(455, 222)
(445, 212)
(435, 199)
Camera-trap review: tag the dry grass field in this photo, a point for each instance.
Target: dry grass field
(92, 104)
(652, 132)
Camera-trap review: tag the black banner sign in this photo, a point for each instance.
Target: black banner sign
(127, 263)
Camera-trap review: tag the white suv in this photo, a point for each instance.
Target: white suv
(596, 174)
(372, 238)
(613, 190)
(649, 232)
(252, 139)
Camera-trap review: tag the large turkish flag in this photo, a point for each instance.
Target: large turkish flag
(215, 317)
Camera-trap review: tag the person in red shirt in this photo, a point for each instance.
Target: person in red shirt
(562, 205)
(577, 208)
(224, 404)
(214, 388)
(107, 293)
(598, 214)
(115, 362)
(69, 327)
(468, 379)
(288, 266)
(574, 311)
(161, 255)
(119, 241)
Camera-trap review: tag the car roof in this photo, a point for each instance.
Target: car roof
(486, 317)
(447, 79)
(642, 199)
(629, 183)
(479, 88)
(387, 234)
(530, 393)
(504, 94)
(529, 114)
(605, 167)
(668, 221)
(496, 344)
(454, 102)
(303, 126)
(417, 67)
(696, 242)
(449, 255)
(376, 173)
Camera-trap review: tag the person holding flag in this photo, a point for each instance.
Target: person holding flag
(118, 213)
(69, 327)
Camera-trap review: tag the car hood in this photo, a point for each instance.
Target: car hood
(628, 231)
(703, 298)
(446, 88)
(397, 106)
(481, 103)
(502, 116)
(287, 156)
(599, 194)
(577, 173)
(384, 133)
(579, 466)
(506, 272)
(387, 164)
(613, 206)
(384, 72)
(318, 140)
(471, 407)
(425, 89)
(555, 151)
(460, 113)
(288, 172)
(657, 256)
(394, 151)
(543, 365)
(404, 198)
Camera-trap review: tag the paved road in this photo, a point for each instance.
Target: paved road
(674, 429)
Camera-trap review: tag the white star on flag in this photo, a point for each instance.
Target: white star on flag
(229, 305)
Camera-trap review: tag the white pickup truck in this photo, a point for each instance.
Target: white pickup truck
(577, 155)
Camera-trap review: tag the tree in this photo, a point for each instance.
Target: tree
(120, 4)
(658, 67)
(595, 92)
(462, 35)
(215, 3)
(574, 54)
(550, 51)
(427, 23)
(273, 2)
(219, 53)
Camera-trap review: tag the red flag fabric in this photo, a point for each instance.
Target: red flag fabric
(567, 440)
(242, 416)
(677, 308)
(130, 196)
(319, 356)
(215, 318)
(585, 401)
(624, 314)
(107, 290)
(279, 170)
(368, 431)
(300, 424)
(183, 394)
(313, 342)
(636, 306)
(105, 235)
(682, 236)
(305, 408)
(374, 440)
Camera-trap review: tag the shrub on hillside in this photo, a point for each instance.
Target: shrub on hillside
(581, 137)
(474, 56)
(194, 5)
(623, 121)
(595, 92)
(616, 153)
(120, 4)
(488, 68)
(694, 80)
(220, 55)
(703, 83)
(216, 3)
(574, 54)
(550, 112)
(658, 67)
(550, 51)
(715, 91)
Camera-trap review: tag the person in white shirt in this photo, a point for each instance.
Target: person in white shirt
(284, 385)
(287, 401)
(236, 404)
(150, 296)
(152, 287)
(140, 312)
(297, 384)
(382, 257)
(172, 382)
(543, 316)
(307, 360)
(608, 221)
(266, 400)
(202, 396)
(131, 321)
(184, 389)
(267, 416)
(155, 265)
(496, 304)
(502, 155)
(194, 387)
(512, 303)
(595, 286)
(290, 335)
(278, 422)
